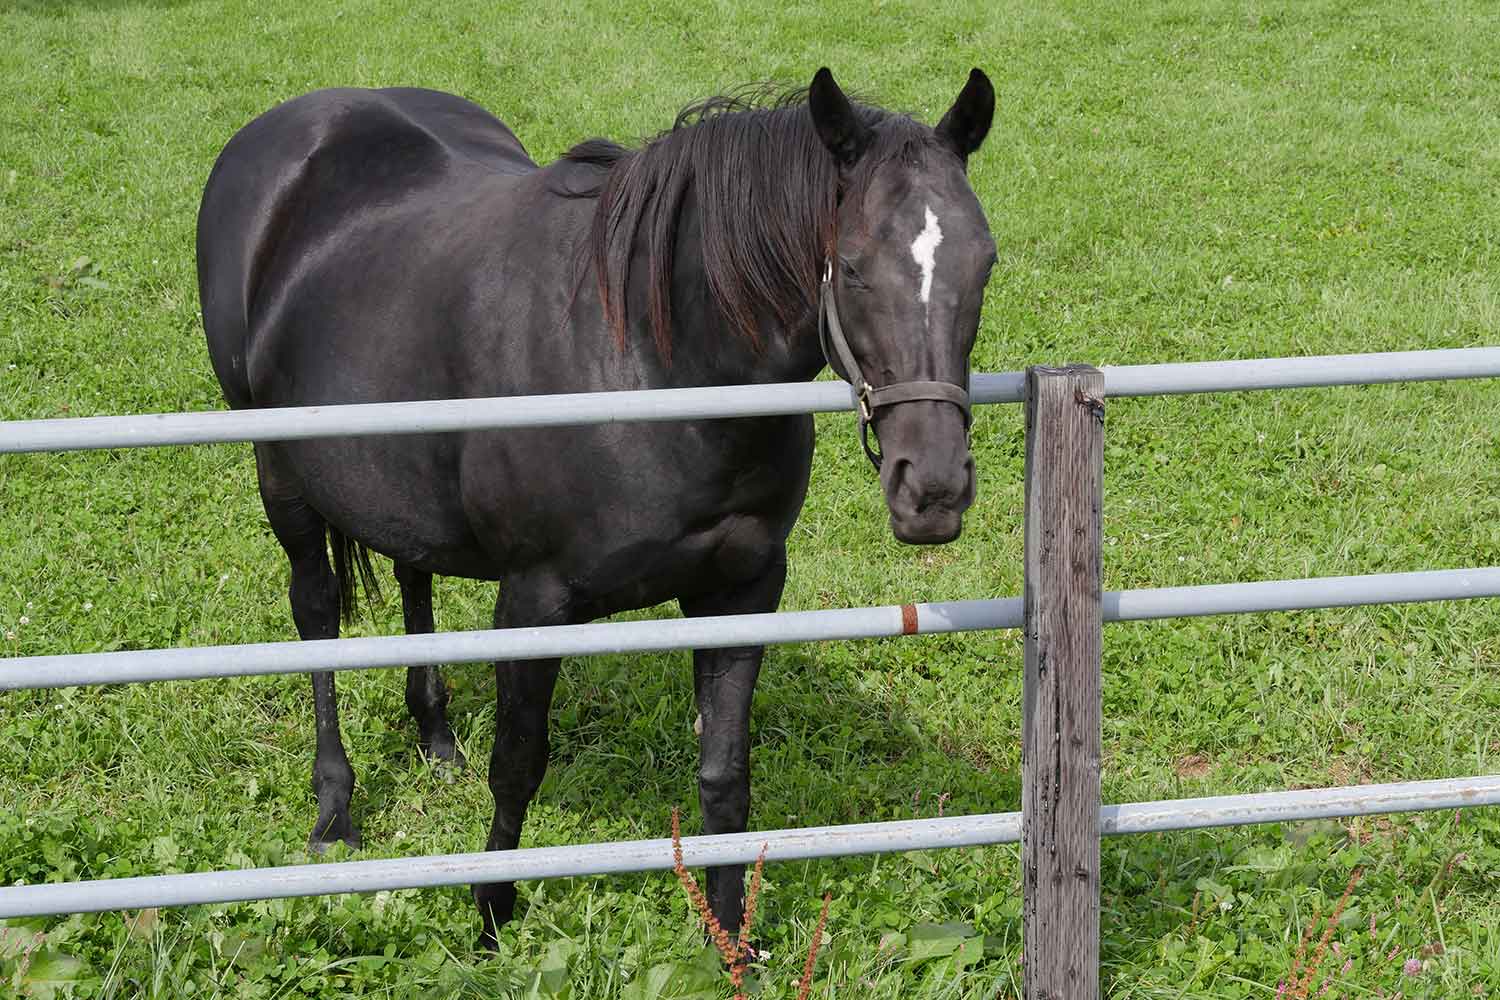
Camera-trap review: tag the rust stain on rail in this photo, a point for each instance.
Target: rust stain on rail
(908, 619)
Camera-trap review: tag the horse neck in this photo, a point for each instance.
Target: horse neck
(706, 345)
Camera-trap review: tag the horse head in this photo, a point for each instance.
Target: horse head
(902, 288)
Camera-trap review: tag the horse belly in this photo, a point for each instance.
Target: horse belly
(397, 495)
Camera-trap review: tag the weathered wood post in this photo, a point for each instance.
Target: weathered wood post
(1060, 746)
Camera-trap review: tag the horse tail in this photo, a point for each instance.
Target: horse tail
(351, 566)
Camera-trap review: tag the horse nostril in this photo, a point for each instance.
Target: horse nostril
(895, 476)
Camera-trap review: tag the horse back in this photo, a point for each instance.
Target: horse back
(303, 170)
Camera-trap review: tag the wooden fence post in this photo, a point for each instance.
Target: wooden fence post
(1060, 747)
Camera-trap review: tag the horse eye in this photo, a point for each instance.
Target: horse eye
(850, 274)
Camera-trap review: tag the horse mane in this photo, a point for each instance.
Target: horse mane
(767, 191)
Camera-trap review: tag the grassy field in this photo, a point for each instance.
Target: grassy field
(1166, 181)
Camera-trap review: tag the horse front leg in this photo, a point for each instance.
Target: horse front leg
(523, 700)
(724, 683)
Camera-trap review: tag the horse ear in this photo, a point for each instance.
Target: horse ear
(966, 124)
(834, 117)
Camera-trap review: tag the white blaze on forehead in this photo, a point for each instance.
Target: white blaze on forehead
(924, 251)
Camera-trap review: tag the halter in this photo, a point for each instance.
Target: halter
(869, 398)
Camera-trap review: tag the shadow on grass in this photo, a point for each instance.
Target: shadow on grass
(823, 752)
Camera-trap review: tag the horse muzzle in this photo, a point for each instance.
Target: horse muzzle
(927, 473)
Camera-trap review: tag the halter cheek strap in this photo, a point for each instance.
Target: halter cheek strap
(869, 398)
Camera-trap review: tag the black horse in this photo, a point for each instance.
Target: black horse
(358, 246)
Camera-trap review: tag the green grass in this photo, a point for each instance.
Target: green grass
(1166, 182)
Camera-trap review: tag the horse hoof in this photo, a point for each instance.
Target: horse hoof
(748, 956)
(487, 944)
(446, 769)
(321, 840)
(443, 751)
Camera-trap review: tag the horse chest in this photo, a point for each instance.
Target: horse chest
(735, 549)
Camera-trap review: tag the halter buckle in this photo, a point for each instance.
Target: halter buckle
(863, 396)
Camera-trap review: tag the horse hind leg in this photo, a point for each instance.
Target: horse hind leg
(426, 694)
(523, 699)
(314, 593)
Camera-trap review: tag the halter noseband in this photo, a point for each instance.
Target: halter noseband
(869, 398)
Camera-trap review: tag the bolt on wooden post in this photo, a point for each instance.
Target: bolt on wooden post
(1060, 748)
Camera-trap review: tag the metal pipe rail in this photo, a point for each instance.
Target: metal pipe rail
(781, 845)
(735, 848)
(655, 635)
(432, 416)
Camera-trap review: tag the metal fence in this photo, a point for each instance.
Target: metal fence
(679, 404)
